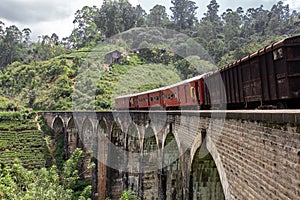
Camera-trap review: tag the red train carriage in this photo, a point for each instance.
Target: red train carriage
(191, 92)
(126, 102)
(185, 94)
(143, 101)
(122, 102)
(155, 99)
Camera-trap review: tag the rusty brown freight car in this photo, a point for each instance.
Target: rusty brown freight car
(267, 78)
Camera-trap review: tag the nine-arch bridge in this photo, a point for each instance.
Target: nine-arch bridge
(188, 154)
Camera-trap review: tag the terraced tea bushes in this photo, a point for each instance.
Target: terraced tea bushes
(21, 139)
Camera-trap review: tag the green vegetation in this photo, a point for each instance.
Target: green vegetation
(128, 195)
(53, 74)
(21, 139)
(16, 182)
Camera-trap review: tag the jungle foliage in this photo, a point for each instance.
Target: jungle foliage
(17, 182)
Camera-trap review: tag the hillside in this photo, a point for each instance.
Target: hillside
(21, 137)
(79, 80)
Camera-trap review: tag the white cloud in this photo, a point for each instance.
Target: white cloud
(294, 5)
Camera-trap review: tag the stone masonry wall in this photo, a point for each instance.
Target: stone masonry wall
(256, 154)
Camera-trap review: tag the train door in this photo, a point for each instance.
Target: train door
(281, 73)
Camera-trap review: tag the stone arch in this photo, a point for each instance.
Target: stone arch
(116, 162)
(150, 165)
(58, 124)
(203, 146)
(86, 142)
(211, 147)
(171, 179)
(72, 132)
(117, 135)
(101, 155)
(205, 181)
(133, 157)
(87, 135)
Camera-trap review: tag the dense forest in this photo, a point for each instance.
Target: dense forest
(59, 74)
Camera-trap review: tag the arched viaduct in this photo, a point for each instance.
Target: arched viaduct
(187, 154)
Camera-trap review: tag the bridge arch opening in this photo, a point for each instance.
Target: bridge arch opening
(205, 181)
(171, 179)
(72, 136)
(150, 165)
(101, 155)
(116, 163)
(86, 142)
(87, 136)
(133, 158)
(58, 125)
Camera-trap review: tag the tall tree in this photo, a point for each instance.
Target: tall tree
(158, 17)
(140, 15)
(26, 36)
(86, 30)
(11, 45)
(184, 14)
(117, 16)
(232, 22)
(210, 33)
(279, 19)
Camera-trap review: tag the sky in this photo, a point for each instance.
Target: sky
(45, 17)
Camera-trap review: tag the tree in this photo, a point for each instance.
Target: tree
(232, 23)
(210, 31)
(86, 32)
(26, 36)
(10, 46)
(279, 19)
(184, 14)
(158, 17)
(18, 183)
(117, 16)
(140, 15)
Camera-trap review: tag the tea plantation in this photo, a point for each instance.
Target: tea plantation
(20, 138)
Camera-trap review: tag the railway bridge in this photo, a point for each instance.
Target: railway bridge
(187, 154)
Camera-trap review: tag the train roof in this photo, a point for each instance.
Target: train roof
(165, 87)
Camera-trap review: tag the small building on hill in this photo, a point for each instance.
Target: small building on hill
(112, 57)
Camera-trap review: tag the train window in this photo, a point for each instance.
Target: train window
(170, 96)
(192, 90)
(278, 54)
(185, 92)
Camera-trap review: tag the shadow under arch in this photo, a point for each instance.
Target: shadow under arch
(205, 181)
(100, 151)
(171, 175)
(58, 125)
(72, 136)
(116, 162)
(150, 165)
(87, 136)
(133, 158)
(86, 141)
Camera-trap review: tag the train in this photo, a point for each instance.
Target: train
(266, 79)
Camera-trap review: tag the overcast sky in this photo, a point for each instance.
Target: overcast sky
(45, 17)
